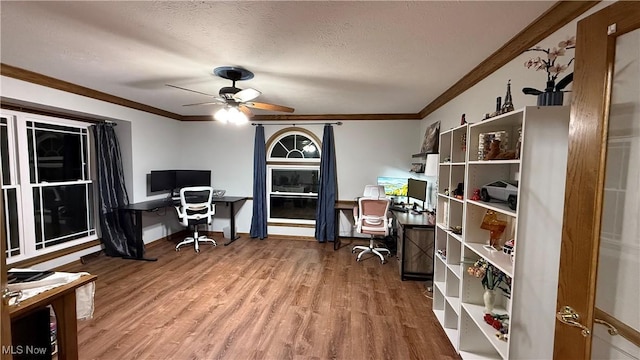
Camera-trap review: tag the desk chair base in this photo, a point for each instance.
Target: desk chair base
(196, 243)
(371, 249)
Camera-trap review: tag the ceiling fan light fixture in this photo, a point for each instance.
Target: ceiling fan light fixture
(231, 114)
(222, 115)
(246, 95)
(236, 116)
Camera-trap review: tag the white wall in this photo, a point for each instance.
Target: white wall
(481, 98)
(364, 151)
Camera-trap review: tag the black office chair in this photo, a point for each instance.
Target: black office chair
(196, 209)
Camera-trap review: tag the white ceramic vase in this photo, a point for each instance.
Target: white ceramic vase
(489, 298)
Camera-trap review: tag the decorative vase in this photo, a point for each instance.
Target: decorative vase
(549, 98)
(489, 298)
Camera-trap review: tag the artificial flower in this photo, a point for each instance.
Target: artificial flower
(549, 64)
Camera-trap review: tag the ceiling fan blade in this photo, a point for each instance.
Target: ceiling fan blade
(246, 95)
(181, 88)
(273, 107)
(246, 111)
(205, 103)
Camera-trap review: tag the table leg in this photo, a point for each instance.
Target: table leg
(139, 240)
(336, 241)
(67, 331)
(232, 223)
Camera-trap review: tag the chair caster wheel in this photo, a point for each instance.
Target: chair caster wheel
(178, 249)
(353, 251)
(198, 251)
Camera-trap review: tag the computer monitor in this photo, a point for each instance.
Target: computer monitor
(162, 180)
(417, 190)
(186, 178)
(393, 186)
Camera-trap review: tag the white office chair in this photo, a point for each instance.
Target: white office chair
(374, 192)
(373, 219)
(196, 209)
(371, 192)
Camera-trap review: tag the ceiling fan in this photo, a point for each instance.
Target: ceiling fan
(237, 101)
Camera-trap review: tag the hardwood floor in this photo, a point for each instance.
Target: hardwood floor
(269, 299)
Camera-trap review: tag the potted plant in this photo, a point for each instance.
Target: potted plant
(553, 92)
(491, 278)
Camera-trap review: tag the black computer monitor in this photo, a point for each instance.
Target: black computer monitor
(186, 178)
(162, 180)
(417, 190)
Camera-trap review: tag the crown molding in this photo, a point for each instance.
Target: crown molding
(50, 82)
(546, 24)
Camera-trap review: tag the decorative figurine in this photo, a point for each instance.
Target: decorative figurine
(476, 195)
(495, 152)
(508, 101)
(463, 141)
(458, 193)
(508, 247)
(463, 120)
(496, 227)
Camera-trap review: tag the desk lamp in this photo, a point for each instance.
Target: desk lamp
(431, 170)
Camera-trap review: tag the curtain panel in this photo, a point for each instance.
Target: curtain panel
(116, 227)
(327, 192)
(259, 216)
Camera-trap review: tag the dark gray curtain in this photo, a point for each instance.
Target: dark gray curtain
(325, 213)
(116, 227)
(259, 218)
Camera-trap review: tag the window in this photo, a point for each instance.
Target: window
(293, 172)
(46, 184)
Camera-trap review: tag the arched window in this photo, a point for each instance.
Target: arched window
(293, 172)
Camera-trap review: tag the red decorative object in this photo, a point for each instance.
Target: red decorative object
(476, 195)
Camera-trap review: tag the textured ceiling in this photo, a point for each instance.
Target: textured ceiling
(318, 57)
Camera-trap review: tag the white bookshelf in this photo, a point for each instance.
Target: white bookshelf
(535, 224)
(452, 169)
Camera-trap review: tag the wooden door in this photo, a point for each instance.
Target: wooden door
(586, 207)
(5, 322)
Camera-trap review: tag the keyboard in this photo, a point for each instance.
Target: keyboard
(399, 209)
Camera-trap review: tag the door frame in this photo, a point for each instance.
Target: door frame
(588, 130)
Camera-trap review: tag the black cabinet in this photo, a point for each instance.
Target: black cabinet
(415, 240)
(31, 335)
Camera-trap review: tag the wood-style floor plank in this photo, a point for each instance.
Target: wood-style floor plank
(258, 299)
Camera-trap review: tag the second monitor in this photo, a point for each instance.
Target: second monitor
(174, 180)
(187, 178)
(417, 190)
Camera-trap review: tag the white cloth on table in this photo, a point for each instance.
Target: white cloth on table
(84, 294)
